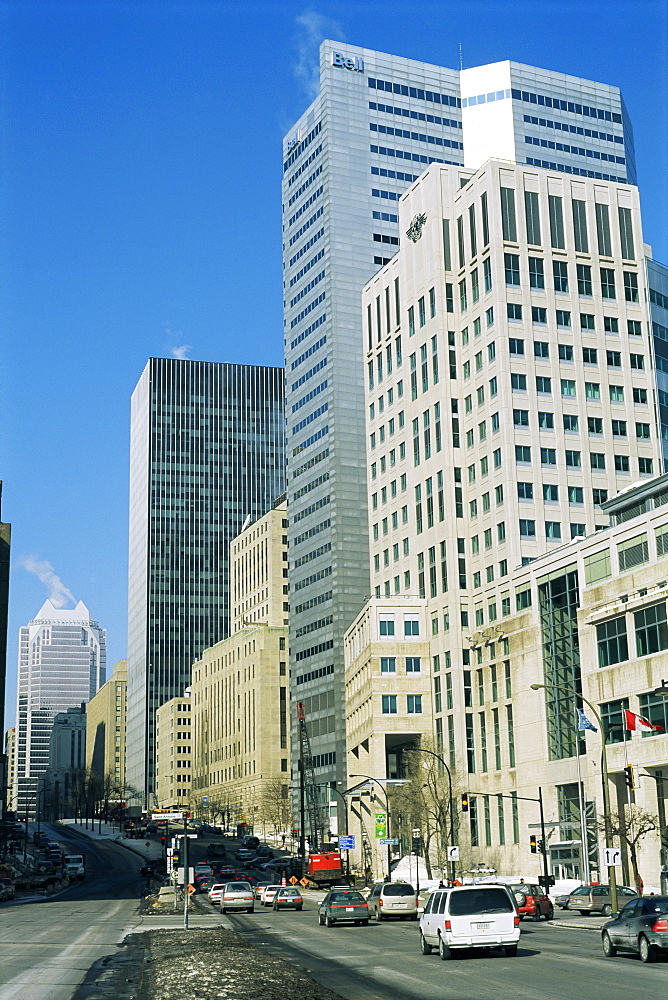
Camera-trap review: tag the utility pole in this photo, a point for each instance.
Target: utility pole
(186, 871)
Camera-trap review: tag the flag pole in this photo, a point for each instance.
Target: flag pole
(584, 840)
(628, 786)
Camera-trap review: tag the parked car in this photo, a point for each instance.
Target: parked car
(393, 899)
(641, 926)
(237, 896)
(470, 916)
(594, 899)
(6, 889)
(343, 905)
(287, 898)
(532, 901)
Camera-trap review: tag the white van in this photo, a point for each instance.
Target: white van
(470, 916)
(393, 899)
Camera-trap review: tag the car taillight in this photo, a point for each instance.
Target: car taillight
(380, 901)
(517, 921)
(417, 900)
(448, 925)
(660, 925)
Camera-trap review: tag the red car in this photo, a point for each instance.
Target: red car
(531, 901)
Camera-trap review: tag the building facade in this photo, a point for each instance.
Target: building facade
(105, 731)
(173, 750)
(64, 786)
(240, 694)
(207, 451)
(62, 662)
(377, 122)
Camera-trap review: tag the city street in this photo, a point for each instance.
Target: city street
(47, 946)
(383, 961)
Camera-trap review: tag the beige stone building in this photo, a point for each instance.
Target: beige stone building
(240, 696)
(173, 753)
(105, 728)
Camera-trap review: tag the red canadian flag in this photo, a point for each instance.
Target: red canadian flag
(637, 724)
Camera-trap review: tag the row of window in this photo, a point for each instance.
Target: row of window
(594, 154)
(566, 168)
(575, 129)
(413, 704)
(411, 626)
(651, 635)
(477, 757)
(467, 235)
(571, 422)
(518, 382)
(560, 277)
(388, 665)
(573, 460)
(390, 109)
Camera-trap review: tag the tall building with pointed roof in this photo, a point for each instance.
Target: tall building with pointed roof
(62, 663)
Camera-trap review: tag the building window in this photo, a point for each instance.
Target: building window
(580, 226)
(532, 216)
(584, 280)
(630, 286)
(560, 273)
(414, 704)
(411, 626)
(626, 233)
(527, 528)
(536, 272)
(512, 268)
(388, 665)
(608, 283)
(387, 626)
(612, 717)
(603, 230)
(389, 704)
(633, 552)
(556, 222)
(651, 629)
(612, 641)
(508, 214)
(413, 662)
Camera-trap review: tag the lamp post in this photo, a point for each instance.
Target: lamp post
(612, 875)
(387, 813)
(331, 785)
(452, 820)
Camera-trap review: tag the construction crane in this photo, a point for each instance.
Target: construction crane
(308, 788)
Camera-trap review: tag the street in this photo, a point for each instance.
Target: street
(47, 946)
(383, 961)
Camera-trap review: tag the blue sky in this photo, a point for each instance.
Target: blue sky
(140, 149)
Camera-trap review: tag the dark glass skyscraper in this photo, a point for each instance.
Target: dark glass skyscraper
(206, 452)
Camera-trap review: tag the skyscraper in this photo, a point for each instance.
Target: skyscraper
(206, 452)
(62, 663)
(377, 122)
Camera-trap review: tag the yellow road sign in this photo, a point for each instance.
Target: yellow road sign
(293, 880)
(303, 881)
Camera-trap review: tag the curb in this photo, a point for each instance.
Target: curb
(575, 927)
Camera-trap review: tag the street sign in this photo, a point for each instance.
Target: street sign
(453, 853)
(613, 856)
(389, 840)
(292, 880)
(205, 802)
(181, 874)
(347, 842)
(303, 881)
(546, 880)
(168, 817)
(174, 875)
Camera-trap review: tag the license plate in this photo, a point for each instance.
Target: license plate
(483, 927)
(349, 909)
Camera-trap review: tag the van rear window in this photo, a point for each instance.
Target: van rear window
(398, 889)
(480, 900)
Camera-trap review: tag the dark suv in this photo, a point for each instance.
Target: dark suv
(531, 901)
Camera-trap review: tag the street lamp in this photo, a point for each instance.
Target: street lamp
(452, 821)
(612, 875)
(387, 813)
(661, 692)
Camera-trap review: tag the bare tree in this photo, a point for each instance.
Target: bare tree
(631, 826)
(275, 805)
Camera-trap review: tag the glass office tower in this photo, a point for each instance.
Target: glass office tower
(207, 454)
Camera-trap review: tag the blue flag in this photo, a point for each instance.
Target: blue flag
(583, 721)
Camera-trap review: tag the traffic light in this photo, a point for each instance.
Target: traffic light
(628, 777)
(533, 844)
(417, 843)
(465, 802)
(540, 845)
(176, 859)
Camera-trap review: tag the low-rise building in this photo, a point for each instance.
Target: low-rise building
(240, 697)
(105, 731)
(173, 749)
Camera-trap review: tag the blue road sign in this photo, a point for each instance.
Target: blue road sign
(388, 840)
(347, 841)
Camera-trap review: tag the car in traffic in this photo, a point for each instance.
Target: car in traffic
(237, 896)
(393, 899)
(532, 901)
(244, 854)
(640, 927)
(594, 899)
(268, 893)
(259, 887)
(288, 898)
(343, 905)
(7, 890)
(470, 916)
